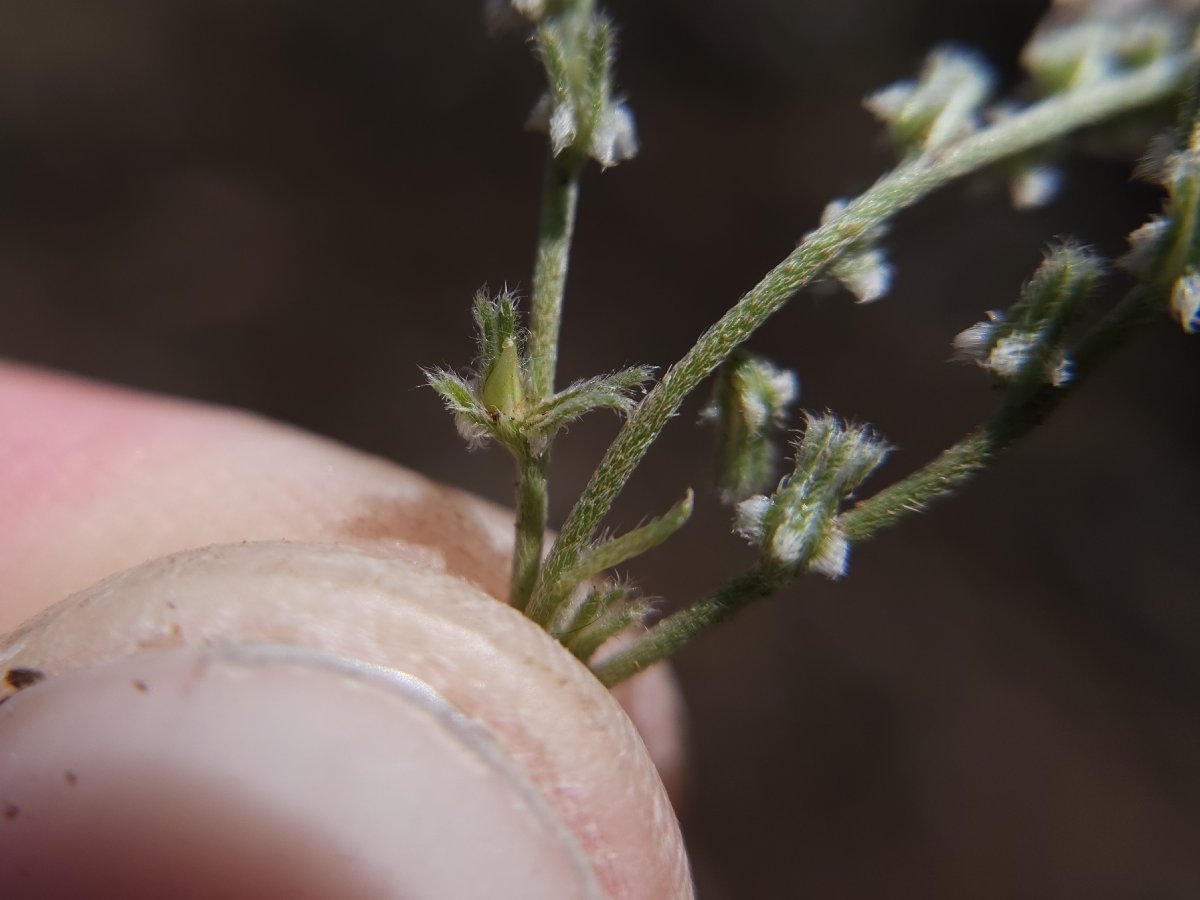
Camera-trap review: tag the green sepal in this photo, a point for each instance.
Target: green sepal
(503, 391)
(470, 417)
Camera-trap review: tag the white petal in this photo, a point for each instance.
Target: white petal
(614, 138)
(749, 521)
(830, 560)
(1185, 301)
(1034, 187)
(563, 128)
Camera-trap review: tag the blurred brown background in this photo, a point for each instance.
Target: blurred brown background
(286, 205)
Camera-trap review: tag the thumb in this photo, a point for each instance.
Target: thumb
(316, 720)
(95, 479)
(195, 774)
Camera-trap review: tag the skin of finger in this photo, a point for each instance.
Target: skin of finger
(545, 711)
(98, 479)
(190, 774)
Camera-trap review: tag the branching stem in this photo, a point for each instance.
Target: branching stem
(673, 632)
(913, 180)
(1021, 411)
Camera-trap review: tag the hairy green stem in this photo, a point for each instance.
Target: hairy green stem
(1021, 411)
(559, 200)
(1019, 414)
(531, 526)
(675, 630)
(911, 181)
(560, 195)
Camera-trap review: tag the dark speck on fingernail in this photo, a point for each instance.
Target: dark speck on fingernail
(22, 678)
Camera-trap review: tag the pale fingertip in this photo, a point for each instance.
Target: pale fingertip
(544, 710)
(264, 772)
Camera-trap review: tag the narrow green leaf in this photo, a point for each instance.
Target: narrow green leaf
(470, 417)
(633, 543)
(602, 392)
(452, 388)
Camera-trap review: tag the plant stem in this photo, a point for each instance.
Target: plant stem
(531, 525)
(559, 199)
(560, 195)
(1019, 414)
(911, 181)
(1021, 411)
(674, 631)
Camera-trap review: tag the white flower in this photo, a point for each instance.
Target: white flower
(530, 9)
(973, 344)
(940, 106)
(1012, 353)
(867, 275)
(1185, 301)
(863, 269)
(614, 138)
(563, 128)
(504, 15)
(749, 521)
(796, 527)
(1034, 187)
(830, 560)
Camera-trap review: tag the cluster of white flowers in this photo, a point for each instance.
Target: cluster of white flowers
(796, 527)
(578, 111)
(1009, 355)
(612, 137)
(1027, 341)
(940, 106)
(1078, 47)
(1167, 248)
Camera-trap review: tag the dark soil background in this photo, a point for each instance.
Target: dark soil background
(286, 205)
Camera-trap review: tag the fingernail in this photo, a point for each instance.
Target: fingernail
(261, 772)
(564, 731)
